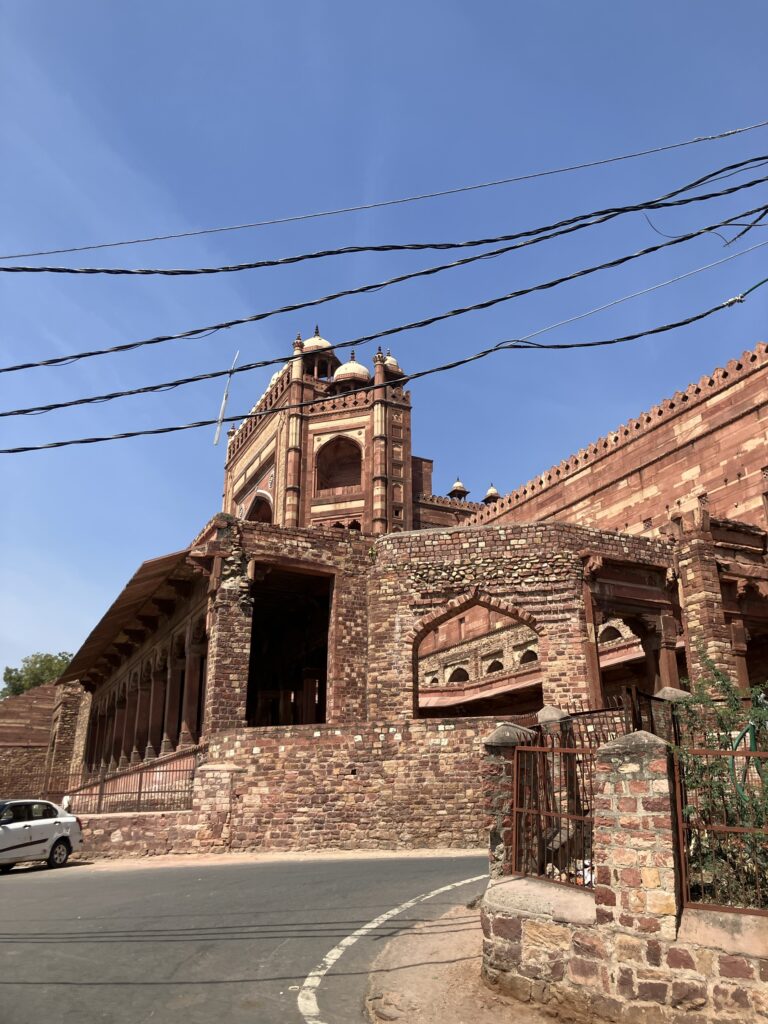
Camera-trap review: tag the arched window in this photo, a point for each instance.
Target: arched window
(354, 525)
(339, 465)
(260, 510)
(495, 666)
(459, 675)
(608, 634)
(529, 657)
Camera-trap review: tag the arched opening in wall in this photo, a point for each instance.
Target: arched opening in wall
(463, 656)
(288, 666)
(355, 526)
(459, 675)
(260, 510)
(338, 467)
(528, 657)
(609, 635)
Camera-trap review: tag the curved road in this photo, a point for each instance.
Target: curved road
(231, 941)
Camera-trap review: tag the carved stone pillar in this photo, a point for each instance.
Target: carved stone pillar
(739, 640)
(157, 708)
(173, 696)
(129, 726)
(190, 727)
(141, 728)
(117, 735)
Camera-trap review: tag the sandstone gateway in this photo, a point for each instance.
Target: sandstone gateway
(328, 654)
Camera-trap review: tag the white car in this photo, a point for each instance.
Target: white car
(37, 830)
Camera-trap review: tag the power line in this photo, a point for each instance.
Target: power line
(246, 367)
(293, 307)
(575, 223)
(508, 345)
(393, 202)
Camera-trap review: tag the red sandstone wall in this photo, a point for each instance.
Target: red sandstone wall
(25, 727)
(713, 438)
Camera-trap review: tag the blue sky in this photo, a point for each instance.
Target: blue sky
(161, 115)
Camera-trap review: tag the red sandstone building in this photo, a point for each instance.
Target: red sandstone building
(339, 629)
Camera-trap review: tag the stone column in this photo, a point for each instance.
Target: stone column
(498, 787)
(739, 648)
(173, 696)
(708, 637)
(117, 736)
(229, 647)
(294, 454)
(636, 887)
(156, 709)
(190, 729)
(380, 506)
(591, 656)
(141, 729)
(108, 731)
(669, 677)
(129, 725)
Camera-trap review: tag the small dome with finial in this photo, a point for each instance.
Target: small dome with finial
(391, 363)
(352, 372)
(316, 343)
(491, 495)
(458, 490)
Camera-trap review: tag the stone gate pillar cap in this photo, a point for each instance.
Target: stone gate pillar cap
(509, 735)
(638, 743)
(672, 693)
(549, 713)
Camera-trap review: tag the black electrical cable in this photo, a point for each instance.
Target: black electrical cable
(294, 307)
(508, 345)
(364, 339)
(580, 221)
(393, 202)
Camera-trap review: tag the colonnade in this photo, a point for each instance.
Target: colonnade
(156, 709)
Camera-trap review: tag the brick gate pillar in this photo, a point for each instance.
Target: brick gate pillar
(498, 782)
(636, 886)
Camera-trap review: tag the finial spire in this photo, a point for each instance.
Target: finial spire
(317, 331)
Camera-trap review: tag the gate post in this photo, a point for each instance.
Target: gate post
(499, 786)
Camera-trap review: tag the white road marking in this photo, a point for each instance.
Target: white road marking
(307, 999)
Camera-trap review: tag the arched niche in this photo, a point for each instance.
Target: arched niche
(260, 509)
(464, 643)
(338, 466)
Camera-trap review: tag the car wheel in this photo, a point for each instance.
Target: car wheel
(59, 854)
(5, 868)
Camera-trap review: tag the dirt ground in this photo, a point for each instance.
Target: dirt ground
(430, 974)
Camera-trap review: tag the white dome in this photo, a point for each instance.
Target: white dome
(352, 371)
(316, 343)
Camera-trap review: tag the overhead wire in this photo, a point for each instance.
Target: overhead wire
(393, 202)
(364, 339)
(508, 345)
(578, 222)
(209, 329)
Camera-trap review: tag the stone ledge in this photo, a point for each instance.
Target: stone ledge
(530, 897)
(744, 934)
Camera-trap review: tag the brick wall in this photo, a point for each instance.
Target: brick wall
(396, 784)
(624, 953)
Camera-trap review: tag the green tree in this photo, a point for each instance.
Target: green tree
(35, 670)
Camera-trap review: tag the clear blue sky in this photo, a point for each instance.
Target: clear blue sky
(163, 115)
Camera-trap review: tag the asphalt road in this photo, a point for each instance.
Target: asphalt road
(203, 943)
